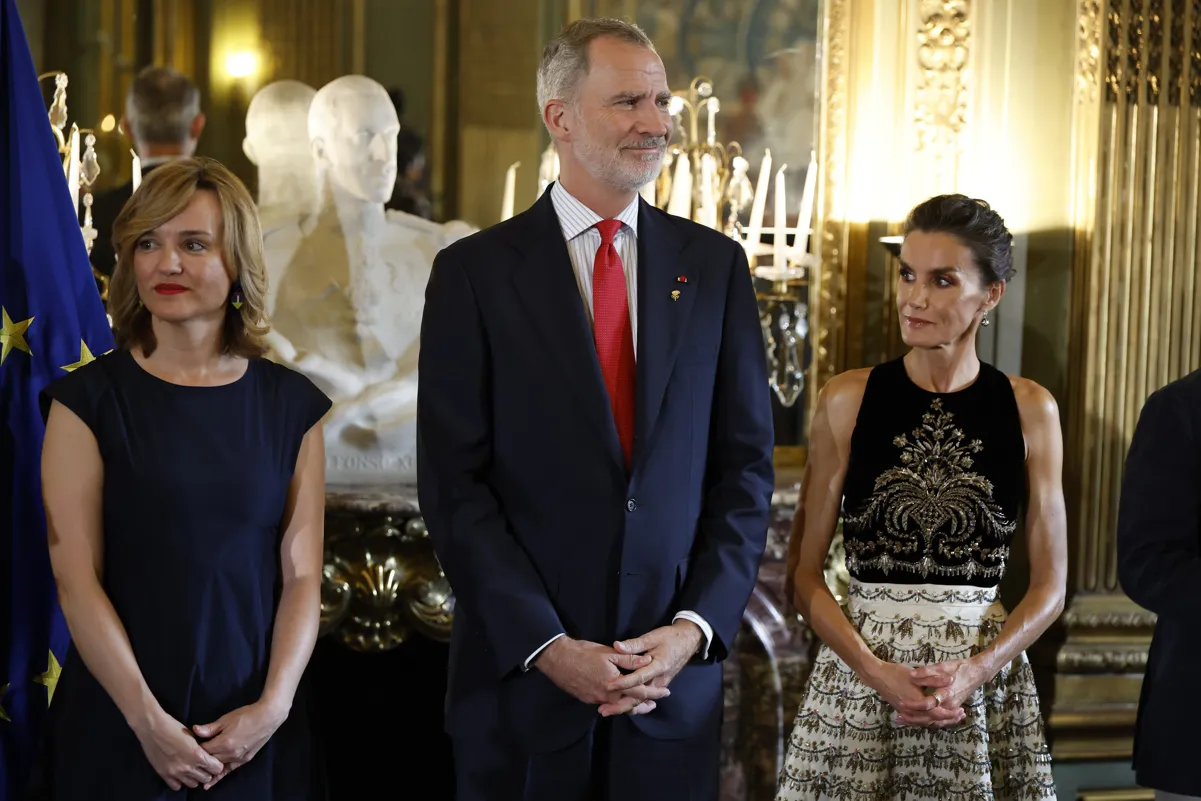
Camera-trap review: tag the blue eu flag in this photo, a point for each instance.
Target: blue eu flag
(52, 322)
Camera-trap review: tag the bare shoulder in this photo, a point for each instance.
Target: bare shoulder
(1035, 403)
(842, 395)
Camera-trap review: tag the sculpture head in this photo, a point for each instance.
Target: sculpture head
(277, 142)
(277, 123)
(353, 131)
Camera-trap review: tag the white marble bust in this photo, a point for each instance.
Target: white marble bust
(347, 310)
(277, 143)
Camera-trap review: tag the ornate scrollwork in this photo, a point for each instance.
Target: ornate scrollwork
(1194, 92)
(1113, 60)
(942, 93)
(1154, 49)
(381, 580)
(1176, 54)
(1109, 620)
(1134, 51)
(1088, 52)
(1107, 661)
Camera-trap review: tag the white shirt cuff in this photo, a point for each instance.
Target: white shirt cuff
(706, 629)
(532, 656)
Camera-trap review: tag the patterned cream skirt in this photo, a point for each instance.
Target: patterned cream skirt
(844, 742)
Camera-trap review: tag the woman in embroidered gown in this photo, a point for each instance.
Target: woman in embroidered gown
(922, 689)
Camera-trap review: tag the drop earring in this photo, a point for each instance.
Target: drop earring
(984, 319)
(235, 295)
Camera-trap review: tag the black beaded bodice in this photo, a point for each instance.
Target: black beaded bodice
(935, 481)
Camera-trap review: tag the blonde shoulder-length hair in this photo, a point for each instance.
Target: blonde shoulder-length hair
(162, 196)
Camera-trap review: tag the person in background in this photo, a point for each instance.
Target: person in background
(1159, 567)
(184, 486)
(163, 119)
(410, 195)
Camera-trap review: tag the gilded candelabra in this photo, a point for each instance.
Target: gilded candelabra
(80, 172)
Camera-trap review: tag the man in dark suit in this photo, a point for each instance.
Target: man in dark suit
(594, 458)
(162, 117)
(1159, 565)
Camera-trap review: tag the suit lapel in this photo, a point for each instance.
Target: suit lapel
(661, 319)
(547, 286)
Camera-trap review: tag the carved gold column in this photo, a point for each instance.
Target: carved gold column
(1136, 316)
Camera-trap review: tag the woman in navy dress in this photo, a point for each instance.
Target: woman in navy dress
(184, 487)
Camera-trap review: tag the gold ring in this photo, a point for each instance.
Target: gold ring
(937, 699)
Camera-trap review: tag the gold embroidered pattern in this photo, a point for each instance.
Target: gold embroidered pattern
(845, 745)
(931, 505)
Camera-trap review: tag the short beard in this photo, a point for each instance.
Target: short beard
(608, 167)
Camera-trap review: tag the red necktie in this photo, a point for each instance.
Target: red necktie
(613, 334)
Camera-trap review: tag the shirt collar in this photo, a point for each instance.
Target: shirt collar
(575, 218)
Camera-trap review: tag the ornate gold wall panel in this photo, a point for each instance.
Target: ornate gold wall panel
(307, 39)
(1136, 316)
(829, 288)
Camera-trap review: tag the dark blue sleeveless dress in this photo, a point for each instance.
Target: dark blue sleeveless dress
(195, 482)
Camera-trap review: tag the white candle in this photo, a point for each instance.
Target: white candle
(680, 203)
(137, 170)
(73, 170)
(708, 203)
(804, 221)
(780, 236)
(714, 107)
(754, 229)
(506, 203)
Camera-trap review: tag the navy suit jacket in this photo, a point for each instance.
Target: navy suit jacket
(522, 482)
(1159, 565)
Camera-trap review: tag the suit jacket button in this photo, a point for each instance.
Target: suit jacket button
(631, 505)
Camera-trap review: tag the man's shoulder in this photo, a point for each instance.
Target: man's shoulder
(1185, 391)
(487, 245)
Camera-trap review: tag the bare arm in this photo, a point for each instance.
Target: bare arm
(72, 486)
(72, 490)
(1046, 531)
(817, 514)
(299, 612)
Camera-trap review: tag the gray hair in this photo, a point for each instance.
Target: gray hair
(161, 106)
(565, 58)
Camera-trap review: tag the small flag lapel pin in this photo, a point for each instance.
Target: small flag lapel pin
(675, 294)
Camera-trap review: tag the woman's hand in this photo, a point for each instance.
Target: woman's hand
(174, 753)
(952, 682)
(235, 738)
(900, 689)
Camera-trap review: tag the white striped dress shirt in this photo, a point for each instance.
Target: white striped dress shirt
(578, 222)
(583, 240)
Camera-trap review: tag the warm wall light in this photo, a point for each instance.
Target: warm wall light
(108, 123)
(242, 64)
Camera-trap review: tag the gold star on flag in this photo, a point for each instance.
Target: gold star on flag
(12, 335)
(50, 677)
(3, 714)
(85, 356)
